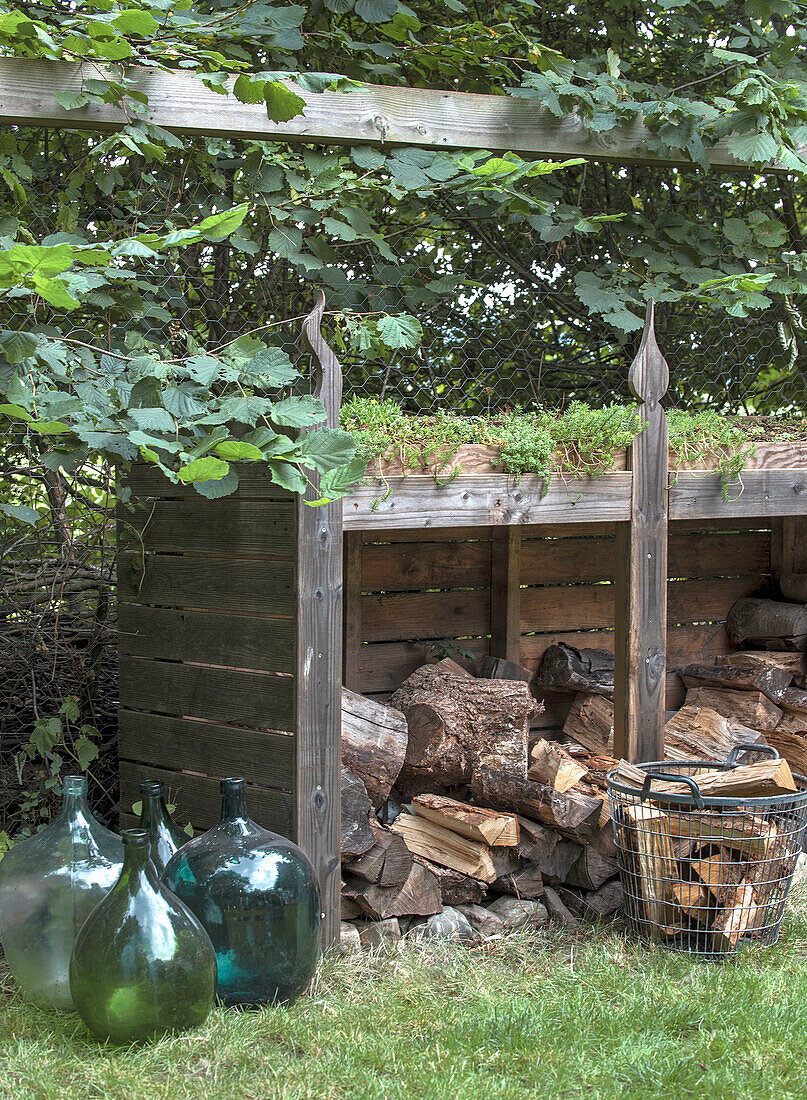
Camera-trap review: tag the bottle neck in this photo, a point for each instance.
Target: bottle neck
(233, 800)
(136, 864)
(74, 798)
(154, 811)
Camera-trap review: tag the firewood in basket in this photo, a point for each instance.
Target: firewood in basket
(695, 900)
(770, 681)
(752, 708)
(500, 830)
(574, 814)
(387, 863)
(590, 722)
(768, 624)
(424, 838)
(741, 915)
(761, 779)
(565, 668)
(647, 841)
(374, 738)
(552, 765)
(719, 874)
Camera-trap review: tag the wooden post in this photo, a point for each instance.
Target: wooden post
(352, 630)
(641, 568)
(788, 545)
(505, 593)
(319, 655)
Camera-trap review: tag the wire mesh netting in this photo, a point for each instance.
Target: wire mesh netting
(704, 875)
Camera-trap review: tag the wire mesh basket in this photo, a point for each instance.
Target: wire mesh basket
(704, 874)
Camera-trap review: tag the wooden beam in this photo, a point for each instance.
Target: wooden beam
(505, 594)
(641, 569)
(351, 677)
(789, 545)
(318, 679)
(763, 493)
(434, 118)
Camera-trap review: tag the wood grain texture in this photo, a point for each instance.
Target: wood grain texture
(254, 483)
(641, 568)
(410, 116)
(505, 593)
(258, 700)
(413, 566)
(231, 527)
(758, 493)
(185, 744)
(207, 637)
(197, 797)
(352, 636)
(425, 615)
(484, 499)
(204, 583)
(789, 545)
(318, 683)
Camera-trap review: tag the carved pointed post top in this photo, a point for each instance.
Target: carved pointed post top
(327, 371)
(649, 375)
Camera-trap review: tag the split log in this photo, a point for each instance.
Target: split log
(545, 847)
(574, 814)
(770, 681)
(794, 586)
(565, 668)
(419, 896)
(455, 888)
(592, 869)
(387, 863)
(757, 780)
(647, 841)
(701, 733)
(752, 708)
(499, 830)
(558, 912)
(791, 723)
(792, 662)
(349, 910)
(594, 904)
(552, 765)
(527, 882)
(458, 724)
(695, 900)
(450, 666)
(506, 861)
(590, 723)
(739, 917)
(356, 834)
(792, 746)
(768, 624)
(745, 833)
(794, 701)
(720, 874)
(433, 842)
(497, 668)
(374, 740)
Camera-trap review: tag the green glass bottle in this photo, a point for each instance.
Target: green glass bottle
(49, 885)
(142, 964)
(256, 894)
(165, 836)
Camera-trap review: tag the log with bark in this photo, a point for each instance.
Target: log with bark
(526, 882)
(793, 701)
(768, 624)
(356, 833)
(590, 723)
(387, 863)
(752, 708)
(567, 669)
(455, 888)
(789, 661)
(458, 724)
(792, 746)
(497, 668)
(374, 738)
(418, 896)
(770, 681)
(554, 855)
(574, 814)
(499, 830)
(701, 733)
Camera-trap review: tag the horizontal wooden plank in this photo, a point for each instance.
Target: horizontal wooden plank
(434, 534)
(255, 480)
(714, 524)
(184, 744)
(383, 666)
(407, 567)
(392, 115)
(255, 699)
(231, 526)
(758, 493)
(709, 554)
(207, 637)
(419, 502)
(686, 644)
(198, 801)
(217, 584)
(418, 615)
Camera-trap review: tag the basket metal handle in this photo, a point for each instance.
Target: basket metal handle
(731, 759)
(670, 778)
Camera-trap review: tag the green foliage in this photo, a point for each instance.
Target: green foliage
(706, 435)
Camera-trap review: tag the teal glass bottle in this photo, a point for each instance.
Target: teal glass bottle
(142, 964)
(256, 895)
(49, 885)
(165, 836)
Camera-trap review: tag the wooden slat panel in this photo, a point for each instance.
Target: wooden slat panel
(384, 666)
(255, 483)
(393, 115)
(198, 800)
(712, 554)
(425, 615)
(686, 644)
(352, 584)
(252, 699)
(716, 524)
(207, 637)
(231, 526)
(411, 567)
(419, 502)
(182, 744)
(236, 584)
(762, 493)
(434, 534)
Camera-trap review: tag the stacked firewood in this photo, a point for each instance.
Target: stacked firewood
(457, 821)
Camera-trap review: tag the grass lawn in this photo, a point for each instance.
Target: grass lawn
(592, 1016)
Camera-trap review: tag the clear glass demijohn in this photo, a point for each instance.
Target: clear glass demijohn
(49, 885)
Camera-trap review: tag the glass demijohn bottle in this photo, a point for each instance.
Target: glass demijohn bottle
(165, 836)
(49, 884)
(257, 896)
(142, 964)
